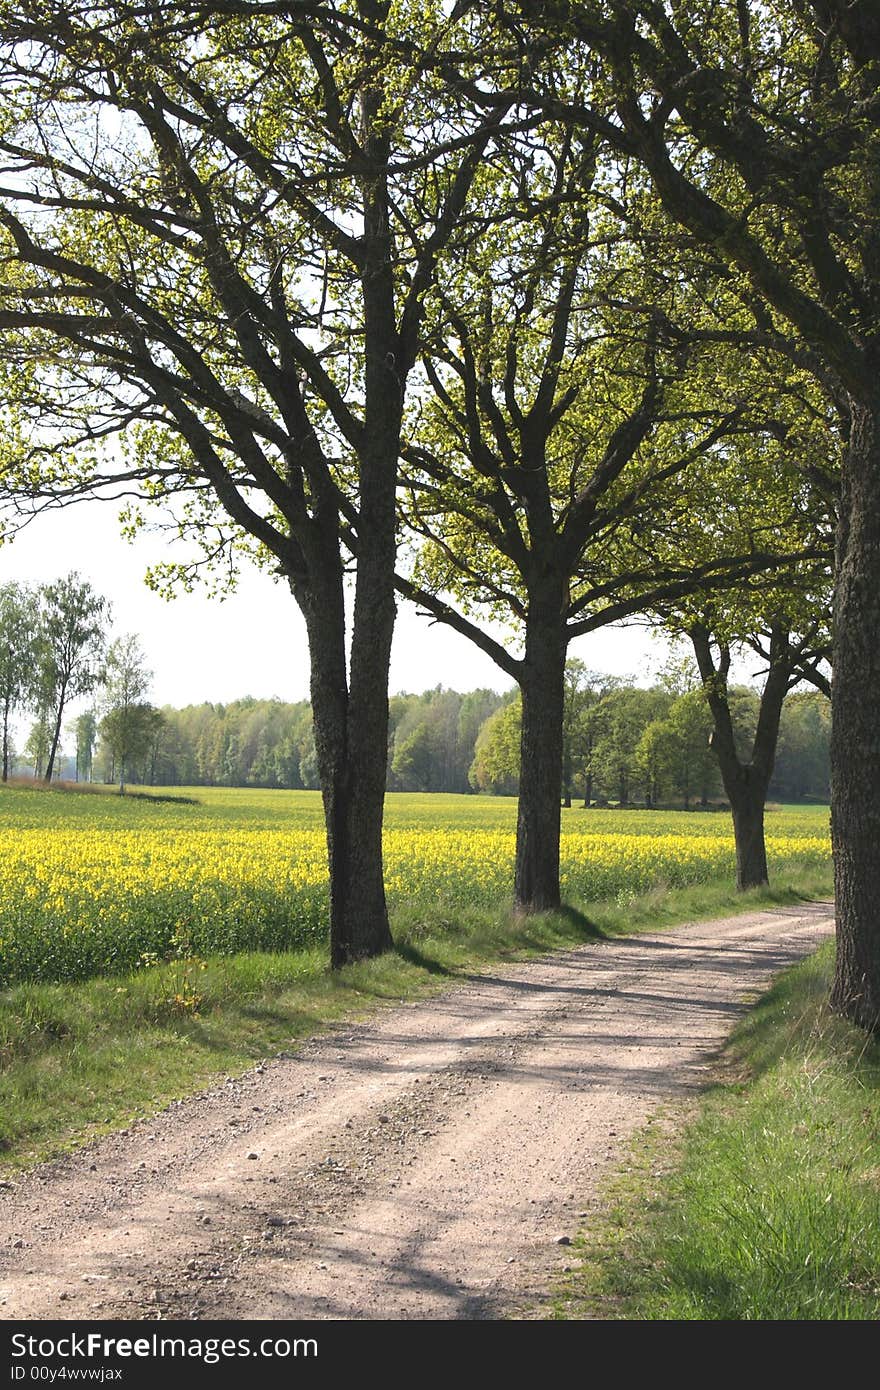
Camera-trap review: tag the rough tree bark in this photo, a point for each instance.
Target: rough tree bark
(352, 807)
(746, 783)
(56, 735)
(542, 682)
(351, 716)
(6, 744)
(855, 725)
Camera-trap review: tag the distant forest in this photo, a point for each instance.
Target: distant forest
(624, 744)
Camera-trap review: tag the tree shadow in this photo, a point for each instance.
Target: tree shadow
(590, 930)
(414, 956)
(158, 797)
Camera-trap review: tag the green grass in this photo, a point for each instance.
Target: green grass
(766, 1204)
(80, 1058)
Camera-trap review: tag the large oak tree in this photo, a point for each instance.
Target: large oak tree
(217, 229)
(784, 98)
(759, 126)
(576, 457)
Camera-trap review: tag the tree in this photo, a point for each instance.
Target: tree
(694, 769)
(758, 125)
(567, 413)
(129, 737)
(496, 764)
(416, 758)
(128, 724)
(620, 719)
(802, 768)
(71, 648)
(434, 735)
(655, 759)
(674, 754)
(85, 730)
(785, 621)
(19, 617)
(39, 741)
(476, 707)
(224, 224)
(582, 689)
(746, 775)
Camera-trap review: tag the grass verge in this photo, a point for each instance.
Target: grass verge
(79, 1059)
(766, 1203)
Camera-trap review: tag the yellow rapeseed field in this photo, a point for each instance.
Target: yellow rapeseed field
(93, 884)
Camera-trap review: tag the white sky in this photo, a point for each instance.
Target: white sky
(253, 643)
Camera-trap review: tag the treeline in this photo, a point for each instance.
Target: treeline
(627, 745)
(624, 744)
(270, 743)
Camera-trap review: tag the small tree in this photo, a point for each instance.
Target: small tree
(746, 773)
(654, 760)
(85, 729)
(621, 717)
(129, 736)
(39, 738)
(802, 767)
(127, 727)
(584, 690)
(71, 646)
(496, 756)
(19, 612)
(693, 770)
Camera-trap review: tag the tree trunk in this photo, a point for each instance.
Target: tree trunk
(746, 784)
(6, 707)
(351, 736)
(747, 805)
(350, 702)
(56, 737)
(542, 684)
(354, 787)
(366, 928)
(855, 727)
(566, 778)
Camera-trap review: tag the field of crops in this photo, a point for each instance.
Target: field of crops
(93, 884)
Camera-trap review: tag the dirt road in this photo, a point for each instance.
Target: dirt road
(423, 1165)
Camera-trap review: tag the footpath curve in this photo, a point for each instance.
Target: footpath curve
(422, 1165)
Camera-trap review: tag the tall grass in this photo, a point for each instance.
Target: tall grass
(771, 1208)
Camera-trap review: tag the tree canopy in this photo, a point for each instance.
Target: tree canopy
(218, 230)
(758, 125)
(604, 276)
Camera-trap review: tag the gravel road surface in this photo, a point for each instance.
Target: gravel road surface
(425, 1164)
